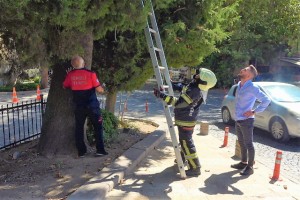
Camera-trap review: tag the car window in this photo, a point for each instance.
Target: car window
(234, 90)
(283, 93)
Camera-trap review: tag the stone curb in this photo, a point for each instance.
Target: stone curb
(98, 187)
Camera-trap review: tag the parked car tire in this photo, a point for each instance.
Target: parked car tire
(226, 116)
(279, 130)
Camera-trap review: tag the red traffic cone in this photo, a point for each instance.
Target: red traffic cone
(14, 97)
(277, 166)
(225, 142)
(38, 93)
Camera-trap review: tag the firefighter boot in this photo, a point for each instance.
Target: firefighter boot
(193, 172)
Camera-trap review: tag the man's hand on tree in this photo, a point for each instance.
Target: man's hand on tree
(69, 69)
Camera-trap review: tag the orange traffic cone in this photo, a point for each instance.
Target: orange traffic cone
(147, 107)
(38, 93)
(225, 142)
(277, 166)
(14, 97)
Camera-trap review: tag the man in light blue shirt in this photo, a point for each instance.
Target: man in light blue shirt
(246, 95)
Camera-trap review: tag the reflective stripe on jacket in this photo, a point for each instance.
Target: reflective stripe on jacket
(187, 105)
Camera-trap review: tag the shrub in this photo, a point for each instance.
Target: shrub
(19, 87)
(26, 86)
(110, 128)
(37, 79)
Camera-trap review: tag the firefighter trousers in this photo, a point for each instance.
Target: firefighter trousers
(81, 113)
(188, 147)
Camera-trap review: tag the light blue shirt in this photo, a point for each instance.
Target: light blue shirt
(245, 99)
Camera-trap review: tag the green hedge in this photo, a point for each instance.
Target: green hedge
(19, 87)
(110, 128)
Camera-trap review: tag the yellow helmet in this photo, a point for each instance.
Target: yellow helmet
(207, 76)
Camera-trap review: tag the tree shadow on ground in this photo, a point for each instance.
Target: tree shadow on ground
(222, 184)
(152, 186)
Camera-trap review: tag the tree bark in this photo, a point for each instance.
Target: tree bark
(58, 121)
(111, 99)
(44, 77)
(87, 43)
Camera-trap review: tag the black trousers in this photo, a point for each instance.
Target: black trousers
(244, 132)
(188, 147)
(94, 114)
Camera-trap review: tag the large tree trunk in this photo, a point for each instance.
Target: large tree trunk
(111, 99)
(58, 126)
(58, 121)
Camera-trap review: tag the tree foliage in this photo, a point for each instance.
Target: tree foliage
(191, 29)
(265, 29)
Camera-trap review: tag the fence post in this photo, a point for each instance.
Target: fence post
(42, 104)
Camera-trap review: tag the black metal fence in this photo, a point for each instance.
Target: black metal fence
(21, 122)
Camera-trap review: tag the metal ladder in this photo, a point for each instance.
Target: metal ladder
(162, 75)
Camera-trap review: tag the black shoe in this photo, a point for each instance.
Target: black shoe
(81, 155)
(193, 172)
(101, 153)
(247, 171)
(239, 165)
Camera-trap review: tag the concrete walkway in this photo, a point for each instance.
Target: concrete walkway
(157, 177)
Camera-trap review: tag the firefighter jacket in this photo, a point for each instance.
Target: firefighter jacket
(83, 82)
(187, 105)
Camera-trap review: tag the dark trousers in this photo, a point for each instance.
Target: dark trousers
(187, 146)
(94, 114)
(244, 132)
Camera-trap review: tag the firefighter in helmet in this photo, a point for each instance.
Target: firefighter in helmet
(186, 109)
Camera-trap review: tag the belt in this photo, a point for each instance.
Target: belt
(187, 128)
(243, 120)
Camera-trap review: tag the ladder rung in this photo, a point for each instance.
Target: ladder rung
(156, 49)
(152, 30)
(161, 67)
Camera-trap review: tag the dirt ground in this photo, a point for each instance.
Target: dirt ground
(35, 177)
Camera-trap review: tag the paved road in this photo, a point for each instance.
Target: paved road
(265, 145)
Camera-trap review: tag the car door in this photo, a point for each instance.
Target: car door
(262, 118)
(231, 102)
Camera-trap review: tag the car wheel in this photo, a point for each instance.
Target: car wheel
(226, 117)
(279, 130)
